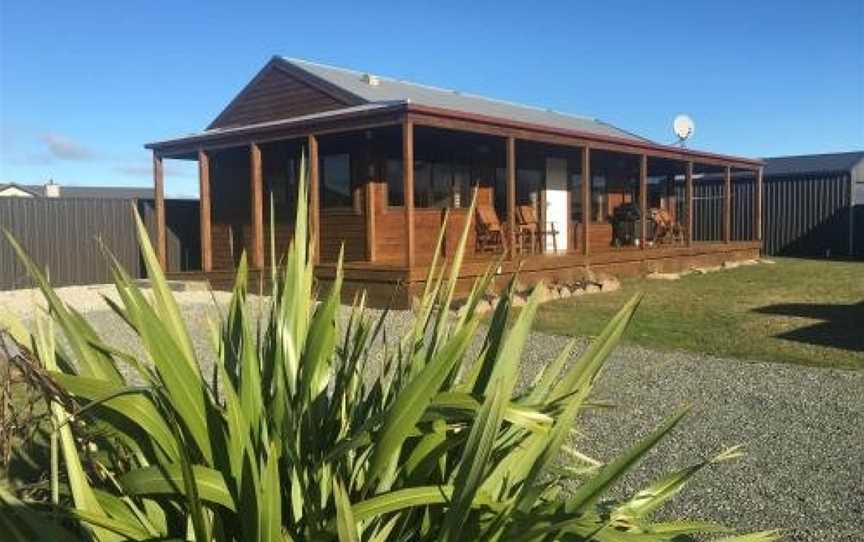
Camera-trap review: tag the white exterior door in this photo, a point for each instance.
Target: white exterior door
(556, 197)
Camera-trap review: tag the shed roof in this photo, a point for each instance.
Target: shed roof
(22, 187)
(813, 163)
(391, 90)
(99, 192)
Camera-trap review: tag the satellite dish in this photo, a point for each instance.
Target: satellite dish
(683, 127)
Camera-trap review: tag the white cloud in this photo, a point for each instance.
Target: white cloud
(65, 148)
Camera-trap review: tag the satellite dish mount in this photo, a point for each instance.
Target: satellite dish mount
(683, 127)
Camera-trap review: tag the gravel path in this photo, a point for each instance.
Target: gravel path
(803, 427)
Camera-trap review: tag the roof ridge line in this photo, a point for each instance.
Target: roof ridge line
(453, 91)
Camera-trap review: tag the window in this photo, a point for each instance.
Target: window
(436, 184)
(576, 197)
(336, 176)
(656, 190)
(395, 196)
(440, 185)
(461, 185)
(501, 191)
(598, 199)
(422, 184)
(528, 183)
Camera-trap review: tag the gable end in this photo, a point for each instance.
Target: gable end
(280, 91)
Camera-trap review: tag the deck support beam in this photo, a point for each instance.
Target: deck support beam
(511, 195)
(408, 190)
(257, 202)
(204, 210)
(757, 206)
(643, 201)
(314, 199)
(159, 196)
(586, 197)
(727, 204)
(688, 194)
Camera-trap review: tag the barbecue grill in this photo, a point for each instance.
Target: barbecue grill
(625, 224)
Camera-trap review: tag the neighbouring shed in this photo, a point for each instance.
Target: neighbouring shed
(813, 205)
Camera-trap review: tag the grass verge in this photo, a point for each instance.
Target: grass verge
(808, 312)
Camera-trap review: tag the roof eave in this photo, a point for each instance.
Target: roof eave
(410, 107)
(578, 134)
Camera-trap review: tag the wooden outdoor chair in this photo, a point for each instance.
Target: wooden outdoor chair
(490, 232)
(530, 229)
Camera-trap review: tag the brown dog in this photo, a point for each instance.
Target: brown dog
(666, 230)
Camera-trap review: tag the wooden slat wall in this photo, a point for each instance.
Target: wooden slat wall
(390, 228)
(276, 95)
(230, 200)
(342, 226)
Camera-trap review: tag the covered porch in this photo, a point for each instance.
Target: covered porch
(380, 182)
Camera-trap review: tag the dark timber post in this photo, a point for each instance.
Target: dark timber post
(204, 210)
(586, 197)
(408, 189)
(511, 195)
(688, 194)
(257, 206)
(757, 205)
(727, 204)
(314, 199)
(643, 201)
(159, 195)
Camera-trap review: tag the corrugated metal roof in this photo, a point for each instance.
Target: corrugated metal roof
(812, 163)
(22, 187)
(100, 192)
(390, 90)
(295, 120)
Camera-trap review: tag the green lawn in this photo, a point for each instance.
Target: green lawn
(796, 311)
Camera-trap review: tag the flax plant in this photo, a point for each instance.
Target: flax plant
(308, 430)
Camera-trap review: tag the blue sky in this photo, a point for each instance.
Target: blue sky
(83, 85)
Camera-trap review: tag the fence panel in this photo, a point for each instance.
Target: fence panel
(66, 236)
(63, 235)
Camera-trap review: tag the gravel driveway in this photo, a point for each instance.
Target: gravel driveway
(803, 427)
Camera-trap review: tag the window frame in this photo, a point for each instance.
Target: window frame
(323, 177)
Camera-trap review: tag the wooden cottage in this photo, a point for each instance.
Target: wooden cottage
(556, 193)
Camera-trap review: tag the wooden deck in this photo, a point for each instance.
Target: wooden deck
(394, 285)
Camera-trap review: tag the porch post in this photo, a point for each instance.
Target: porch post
(727, 204)
(757, 205)
(314, 199)
(159, 196)
(257, 200)
(369, 194)
(688, 194)
(204, 210)
(643, 201)
(408, 189)
(586, 197)
(511, 195)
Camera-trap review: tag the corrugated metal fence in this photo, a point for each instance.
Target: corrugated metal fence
(801, 215)
(63, 235)
(708, 208)
(807, 215)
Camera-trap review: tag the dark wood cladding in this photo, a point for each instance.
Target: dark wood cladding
(342, 227)
(276, 94)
